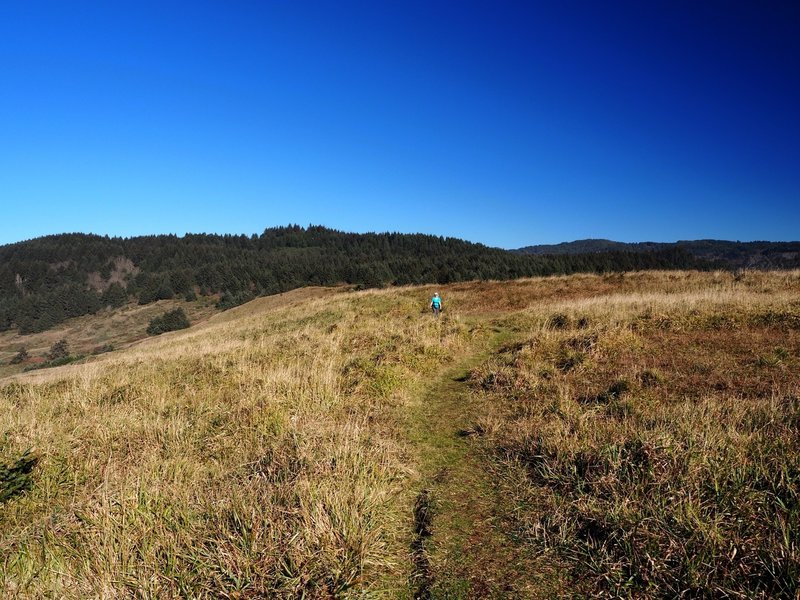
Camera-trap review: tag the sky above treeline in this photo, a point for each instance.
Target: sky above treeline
(505, 123)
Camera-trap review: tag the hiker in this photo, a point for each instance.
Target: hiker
(436, 304)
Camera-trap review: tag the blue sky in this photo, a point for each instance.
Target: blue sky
(506, 123)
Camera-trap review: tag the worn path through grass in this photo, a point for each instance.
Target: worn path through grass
(461, 548)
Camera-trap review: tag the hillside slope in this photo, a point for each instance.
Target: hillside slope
(45, 281)
(619, 435)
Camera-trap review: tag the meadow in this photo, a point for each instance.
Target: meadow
(628, 435)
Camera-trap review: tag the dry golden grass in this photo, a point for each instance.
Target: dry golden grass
(652, 440)
(266, 452)
(256, 455)
(118, 328)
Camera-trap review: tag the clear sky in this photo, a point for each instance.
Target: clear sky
(506, 123)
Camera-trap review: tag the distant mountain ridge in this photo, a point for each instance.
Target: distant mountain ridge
(722, 253)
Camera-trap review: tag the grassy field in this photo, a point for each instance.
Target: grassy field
(109, 330)
(627, 435)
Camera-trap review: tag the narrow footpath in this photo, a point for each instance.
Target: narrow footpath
(460, 549)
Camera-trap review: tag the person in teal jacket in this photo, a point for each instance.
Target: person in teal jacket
(436, 305)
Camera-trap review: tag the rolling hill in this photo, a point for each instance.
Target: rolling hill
(45, 281)
(626, 434)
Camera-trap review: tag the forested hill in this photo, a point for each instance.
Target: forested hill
(727, 254)
(47, 280)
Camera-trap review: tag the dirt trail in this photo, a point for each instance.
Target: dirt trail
(460, 548)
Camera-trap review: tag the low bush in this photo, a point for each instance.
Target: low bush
(169, 321)
(19, 357)
(58, 351)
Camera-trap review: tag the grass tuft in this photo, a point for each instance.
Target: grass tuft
(17, 477)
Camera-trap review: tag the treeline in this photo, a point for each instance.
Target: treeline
(725, 254)
(47, 280)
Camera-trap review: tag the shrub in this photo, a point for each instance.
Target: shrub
(56, 362)
(169, 321)
(58, 351)
(651, 378)
(560, 321)
(19, 357)
(229, 299)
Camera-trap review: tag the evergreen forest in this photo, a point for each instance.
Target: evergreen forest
(47, 280)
